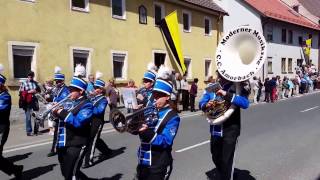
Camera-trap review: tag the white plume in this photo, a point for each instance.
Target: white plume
(1, 68)
(80, 70)
(57, 69)
(164, 72)
(153, 68)
(99, 75)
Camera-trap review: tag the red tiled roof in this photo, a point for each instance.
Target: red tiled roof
(278, 10)
(209, 4)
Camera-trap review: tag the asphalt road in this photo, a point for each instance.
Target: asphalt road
(278, 142)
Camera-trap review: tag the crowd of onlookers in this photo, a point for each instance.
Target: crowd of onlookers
(306, 80)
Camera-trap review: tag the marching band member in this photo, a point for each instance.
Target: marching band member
(154, 154)
(60, 92)
(144, 95)
(5, 106)
(99, 106)
(224, 137)
(74, 129)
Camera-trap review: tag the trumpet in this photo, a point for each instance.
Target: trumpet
(40, 117)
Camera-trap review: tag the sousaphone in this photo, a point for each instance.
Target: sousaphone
(240, 54)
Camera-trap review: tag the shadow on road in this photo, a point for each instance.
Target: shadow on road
(37, 172)
(19, 157)
(115, 152)
(238, 175)
(114, 177)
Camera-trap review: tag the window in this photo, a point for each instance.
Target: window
(80, 5)
(270, 34)
(158, 13)
(159, 58)
(290, 37)
(290, 65)
(207, 26)
(119, 65)
(207, 67)
(143, 15)
(186, 16)
(187, 62)
(118, 9)
(22, 57)
(284, 36)
(81, 57)
(299, 62)
(283, 65)
(270, 65)
(300, 40)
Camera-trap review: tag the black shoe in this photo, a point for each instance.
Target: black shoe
(30, 134)
(18, 171)
(38, 133)
(87, 165)
(50, 154)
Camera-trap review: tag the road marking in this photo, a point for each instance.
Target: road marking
(306, 110)
(49, 141)
(194, 146)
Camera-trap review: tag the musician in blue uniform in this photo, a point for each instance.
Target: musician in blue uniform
(224, 136)
(59, 93)
(99, 106)
(144, 95)
(5, 106)
(154, 153)
(74, 129)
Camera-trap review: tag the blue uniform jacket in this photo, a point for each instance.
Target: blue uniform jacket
(99, 106)
(61, 94)
(150, 139)
(241, 101)
(74, 127)
(5, 107)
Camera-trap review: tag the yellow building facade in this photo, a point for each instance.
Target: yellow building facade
(117, 39)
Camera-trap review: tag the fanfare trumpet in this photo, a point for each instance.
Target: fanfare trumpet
(132, 122)
(40, 117)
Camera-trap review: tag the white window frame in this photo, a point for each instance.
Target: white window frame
(210, 67)
(189, 70)
(125, 65)
(86, 9)
(160, 51)
(210, 26)
(190, 20)
(285, 65)
(88, 65)
(28, 1)
(162, 11)
(124, 12)
(33, 62)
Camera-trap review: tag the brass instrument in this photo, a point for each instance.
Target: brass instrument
(132, 122)
(40, 117)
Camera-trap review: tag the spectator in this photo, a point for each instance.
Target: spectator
(260, 89)
(267, 90)
(131, 84)
(255, 88)
(185, 93)
(178, 88)
(90, 88)
(193, 94)
(273, 87)
(112, 95)
(29, 102)
(285, 87)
